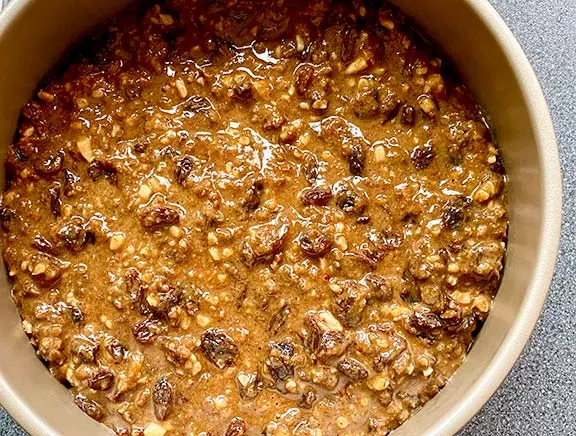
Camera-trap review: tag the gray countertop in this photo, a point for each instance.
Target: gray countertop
(539, 396)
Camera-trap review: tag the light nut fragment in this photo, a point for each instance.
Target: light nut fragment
(328, 322)
(117, 241)
(181, 88)
(378, 383)
(357, 65)
(427, 105)
(153, 429)
(84, 145)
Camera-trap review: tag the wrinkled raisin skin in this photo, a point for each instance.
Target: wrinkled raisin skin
(218, 347)
(316, 196)
(183, 170)
(237, 427)
(353, 369)
(101, 379)
(422, 156)
(89, 407)
(162, 397)
(356, 160)
(314, 243)
(158, 217)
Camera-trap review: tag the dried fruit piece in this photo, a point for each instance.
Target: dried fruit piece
(71, 182)
(183, 169)
(278, 320)
(314, 243)
(263, 242)
(353, 369)
(237, 427)
(356, 160)
(55, 201)
(155, 217)
(162, 397)
(251, 201)
(101, 379)
(218, 347)
(422, 156)
(89, 407)
(316, 196)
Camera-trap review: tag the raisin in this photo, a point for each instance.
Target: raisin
(424, 323)
(98, 169)
(280, 360)
(351, 302)
(145, 331)
(117, 350)
(183, 169)
(379, 287)
(422, 156)
(49, 163)
(353, 369)
(85, 349)
(218, 347)
(314, 243)
(498, 165)
(310, 168)
(348, 45)
(162, 397)
(303, 78)
(166, 296)
(356, 160)
(251, 201)
(351, 200)
(264, 242)
(42, 244)
(74, 236)
(278, 320)
(331, 344)
(6, 216)
(77, 316)
(154, 217)
(140, 147)
(242, 87)
(101, 379)
(408, 117)
(308, 399)
(454, 213)
(71, 181)
(237, 427)
(55, 201)
(366, 104)
(316, 196)
(389, 105)
(89, 407)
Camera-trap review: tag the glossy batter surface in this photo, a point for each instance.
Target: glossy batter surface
(253, 217)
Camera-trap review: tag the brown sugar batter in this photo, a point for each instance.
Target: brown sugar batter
(245, 217)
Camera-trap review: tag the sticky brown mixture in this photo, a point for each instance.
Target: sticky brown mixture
(244, 217)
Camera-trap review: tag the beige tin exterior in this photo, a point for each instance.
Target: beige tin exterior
(34, 33)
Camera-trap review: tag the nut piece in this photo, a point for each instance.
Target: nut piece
(153, 429)
(117, 241)
(357, 65)
(84, 145)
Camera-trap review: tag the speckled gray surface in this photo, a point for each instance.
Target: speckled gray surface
(539, 396)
